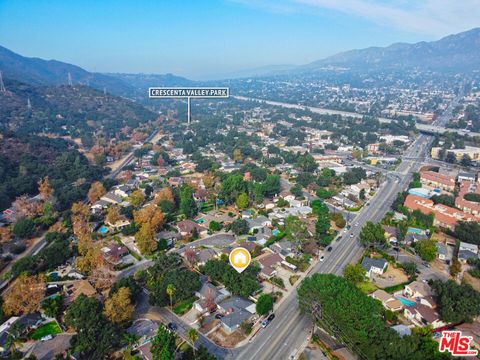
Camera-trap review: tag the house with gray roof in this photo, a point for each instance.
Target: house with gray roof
(236, 310)
(258, 223)
(374, 266)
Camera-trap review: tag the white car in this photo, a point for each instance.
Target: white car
(322, 258)
(46, 338)
(351, 236)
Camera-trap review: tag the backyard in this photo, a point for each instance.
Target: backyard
(50, 328)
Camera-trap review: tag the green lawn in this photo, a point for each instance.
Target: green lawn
(183, 306)
(50, 328)
(367, 287)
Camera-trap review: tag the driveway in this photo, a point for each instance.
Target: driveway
(46, 350)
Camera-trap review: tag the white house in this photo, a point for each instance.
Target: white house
(374, 266)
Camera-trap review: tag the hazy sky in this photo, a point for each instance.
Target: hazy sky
(199, 38)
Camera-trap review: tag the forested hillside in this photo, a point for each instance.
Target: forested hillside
(78, 111)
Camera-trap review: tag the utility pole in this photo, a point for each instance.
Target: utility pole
(69, 79)
(29, 104)
(2, 85)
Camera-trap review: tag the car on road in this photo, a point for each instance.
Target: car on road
(172, 326)
(329, 248)
(322, 258)
(426, 264)
(356, 224)
(218, 316)
(265, 323)
(349, 227)
(271, 317)
(351, 235)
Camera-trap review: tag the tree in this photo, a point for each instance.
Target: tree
(450, 158)
(426, 249)
(170, 292)
(362, 194)
(150, 215)
(410, 268)
(340, 308)
(25, 295)
(306, 163)
(119, 308)
(455, 267)
(95, 337)
(372, 234)
(113, 214)
(165, 194)
(456, 303)
(145, 239)
(97, 190)
(187, 206)
(5, 234)
(214, 226)
(355, 273)
(322, 226)
(192, 336)
(240, 227)
(24, 228)
(27, 208)
(466, 161)
(45, 189)
(52, 306)
(242, 201)
(137, 198)
(232, 186)
(468, 231)
(163, 344)
(264, 304)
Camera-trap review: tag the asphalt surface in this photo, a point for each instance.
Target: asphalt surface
(284, 337)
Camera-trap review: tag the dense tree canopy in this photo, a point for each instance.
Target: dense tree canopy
(456, 303)
(244, 284)
(95, 336)
(358, 321)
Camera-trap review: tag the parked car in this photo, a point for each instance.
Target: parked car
(351, 236)
(218, 316)
(271, 317)
(172, 326)
(265, 323)
(46, 338)
(329, 248)
(322, 258)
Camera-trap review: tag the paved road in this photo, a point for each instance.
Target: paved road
(288, 332)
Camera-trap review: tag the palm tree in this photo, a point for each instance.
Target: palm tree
(192, 335)
(170, 292)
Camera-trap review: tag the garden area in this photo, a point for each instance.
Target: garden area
(51, 328)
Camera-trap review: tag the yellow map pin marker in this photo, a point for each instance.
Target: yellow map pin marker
(240, 258)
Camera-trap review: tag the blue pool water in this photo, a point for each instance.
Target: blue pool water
(405, 301)
(103, 230)
(275, 232)
(415, 231)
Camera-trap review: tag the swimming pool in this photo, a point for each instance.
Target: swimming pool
(103, 230)
(415, 231)
(405, 301)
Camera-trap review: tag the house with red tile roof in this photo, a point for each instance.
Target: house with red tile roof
(440, 181)
(445, 216)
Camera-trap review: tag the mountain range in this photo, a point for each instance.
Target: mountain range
(454, 53)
